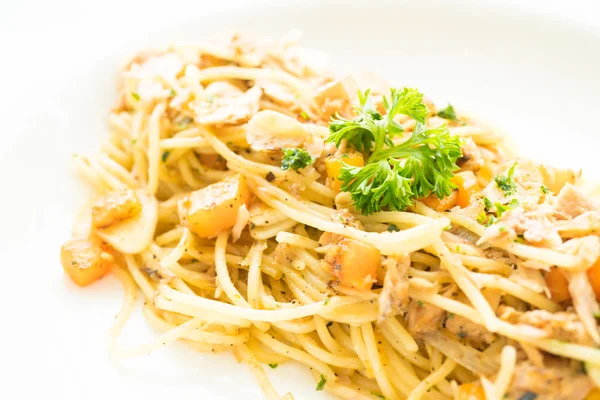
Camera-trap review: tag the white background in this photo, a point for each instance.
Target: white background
(532, 67)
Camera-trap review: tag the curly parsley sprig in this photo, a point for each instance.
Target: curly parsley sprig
(395, 174)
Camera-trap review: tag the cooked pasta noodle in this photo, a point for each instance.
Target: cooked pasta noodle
(237, 248)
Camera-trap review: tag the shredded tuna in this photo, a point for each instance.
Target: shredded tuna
(557, 380)
(393, 299)
(570, 203)
(471, 333)
(560, 325)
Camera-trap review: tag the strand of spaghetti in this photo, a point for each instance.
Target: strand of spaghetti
(254, 274)
(388, 243)
(124, 312)
(298, 326)
(154, 147)
(486, 265)
(375, 359)
(358, 344)
(399, 217)
(107, 177)
(164, 339)
(263, 353)
(413, 358)
(432, 379)
(465, 222)
(293, 353)
(225, 281)
(139, 139)
(267, 232)
(166, 304)
(184, 142)
(200, 335)
(513, 288)
(117, 171)
(116, 154)
(296, 240)
(462, 278)
(200, 305)
(83, 167)
(547, 256)
(328, 341)
(246, 355)
(138, 277)
(185, 170)
(178, 251)
(313, 349)
(395, 330)
(507, 367)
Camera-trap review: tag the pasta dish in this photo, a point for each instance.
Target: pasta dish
(396, 248)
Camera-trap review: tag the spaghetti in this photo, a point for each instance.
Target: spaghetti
(239, 243)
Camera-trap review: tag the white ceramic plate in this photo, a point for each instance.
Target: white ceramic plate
(533, 71)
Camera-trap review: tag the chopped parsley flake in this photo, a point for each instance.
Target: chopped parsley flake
(295, 159)
(135, 95)
(321, 383)
(448, 113)
(507, 183)
(393, 228)
(165, 155)
(544, 189)
(273, 365)
(304, 115)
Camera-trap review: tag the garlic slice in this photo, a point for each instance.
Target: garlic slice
(135, 234)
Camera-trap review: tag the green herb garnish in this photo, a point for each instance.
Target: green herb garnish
(165, 155)
(295, 159)
(321, 383)
(273, 365)
(507, 183)
(393, 228)
(135, 95)
(448, 113)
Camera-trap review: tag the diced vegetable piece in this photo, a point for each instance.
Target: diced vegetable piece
(115, 207)
(334, 165)
(593, 274)
(441, 205)
(354, 263)
(467, 187)
(470, 391)
(558, 285)
(594, 394)
(214, 208)
(84, 261)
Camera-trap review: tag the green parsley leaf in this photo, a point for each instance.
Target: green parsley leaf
(378, 395)
(419, 303)
(448, 113)
(295, 159)
(544, 189)
(273, 365)
(488, 204)
(304, 115)
(165, 155)
(370, 129)
(507, 183)
(135, 95)
(393, 228)
(326, 301)
(321, 383)
(395, 174)
(173, 92)
(394, 177)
